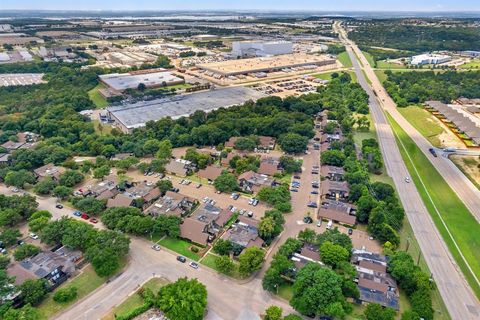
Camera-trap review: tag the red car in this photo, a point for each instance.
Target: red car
(93, 220)
(85, 216)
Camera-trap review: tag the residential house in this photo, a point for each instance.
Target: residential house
(179, 167)
(55, 267)
(308, 253)
(374, 283)
(226, 161)
(210, 173)
(49, 170)
(172, 203)
(11, 146)
(252, 182)
(27, 137)
(266, 143)
(204, 224)
(335, 190)
(120, 200)
(269, 166)
(4, 158)
(327, 137)
(332, 173)
(338, 212)
(231, 142)
(121, 156)
(244, 233)
(105, 189)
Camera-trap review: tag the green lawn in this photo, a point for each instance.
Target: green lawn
(179, 246)
(328, 75)
(475, 64)
(370, 59)
(446, 209)
(285, 291)
(345, 59)
(135, 300)
(94, 95)
(86, 283)
(424, 122)
(210, 259)
(383, 64)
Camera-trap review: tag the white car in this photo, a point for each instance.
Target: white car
(33, 236)
(194, 265)
(407, 179)
(15, 190)
(156, 247)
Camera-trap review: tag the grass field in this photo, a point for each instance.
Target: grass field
(97, 99)
(456, 224)
(471, 65)
(135, 300)
(370, 59)
(179, 246)
(328, 75)
(86, 283)
(424, 122)
(382, 64)
(345, 59)
(210, 259)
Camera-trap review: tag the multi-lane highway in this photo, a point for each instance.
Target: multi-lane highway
(456, 293)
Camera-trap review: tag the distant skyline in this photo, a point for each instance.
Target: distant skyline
(264, 5)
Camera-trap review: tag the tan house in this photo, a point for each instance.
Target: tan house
(210, 173)
(49, 170)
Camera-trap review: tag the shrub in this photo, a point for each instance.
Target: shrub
(195, 249)
(66, 294)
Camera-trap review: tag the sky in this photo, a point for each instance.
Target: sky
(272, 5)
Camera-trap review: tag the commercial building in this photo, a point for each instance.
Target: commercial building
(150, 78)
(20, 79)
(429, 59)
(261, 65)
(260, 48)
(130, 116)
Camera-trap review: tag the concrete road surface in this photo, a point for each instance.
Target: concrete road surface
(456, 293)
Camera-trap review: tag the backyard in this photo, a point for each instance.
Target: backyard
(180, 246)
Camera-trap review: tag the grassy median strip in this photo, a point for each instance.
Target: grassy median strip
(459, 229)
(344, 59)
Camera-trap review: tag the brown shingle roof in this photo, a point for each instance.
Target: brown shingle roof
(120, 200)
(210, 172)
(373, 266)
(193, 230)
(373, 285)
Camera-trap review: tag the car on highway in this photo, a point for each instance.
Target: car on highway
(77, 213)
(93, 220)
(182, 259)
(194, 265)
(433, 152)
(156, 247)
(33, 236)
(59, 206)
(407, 179)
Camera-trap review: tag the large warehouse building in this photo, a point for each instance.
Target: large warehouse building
(150, 78)
(429, 59)
(267, 64)
(260, 48)
(136, 115)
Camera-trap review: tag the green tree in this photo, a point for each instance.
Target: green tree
(244, 143)
(250, 260)
(293, 143)
(45, 186)
(223, 247)
(65, 294)
(9, 236)
(333, 254)
(374, 311)
(101, 172)
(27, 312)
(25, 251)
(127, 163)
(315, 289)
(290, 165)
(33, 291)
(164, 150)
(333, 158)
(226, 182)
(292, 317)
(91, 205)
(184, 299)
(70, 178)
(266, 228)
(225, 265)
(4, 262)
(273, 313)
(39, 220)
(19, 178)
(164, 185)
(9, 217)
(62, 192)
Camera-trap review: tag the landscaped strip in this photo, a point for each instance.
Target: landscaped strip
(459, 229)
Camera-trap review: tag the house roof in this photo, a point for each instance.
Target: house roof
(373, 266)
(268, 167)
(310, 253)
(231, 142)
(45, 262)
(120, 200)
(210, 172)
(107, 194)
(266, 142)
(327, 170)
(244, 233)
(193, 230)
(49, 170)
(328, 185)
(177, 167)
(372, 285)
(338, 211)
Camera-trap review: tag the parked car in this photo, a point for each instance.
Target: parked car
(15, 190)
(85, 216)
(33, 236)
(314, 192)
(294, 190)
(3, 251)
(242, 212)
(319, 223)
(20, 242)
(194, 265)
(93, 220)
(175, 190)
(307, 219)
(198, 186)
(255, 203)
(182, 259)
(59, 206)
(312, 204)
(156, 247)
(250, 214)
(77, 213)
(296, 177)
(350, 231)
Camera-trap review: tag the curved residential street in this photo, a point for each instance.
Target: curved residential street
(456, 293)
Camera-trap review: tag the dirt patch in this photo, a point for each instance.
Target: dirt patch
(470, 165)
(152, 314)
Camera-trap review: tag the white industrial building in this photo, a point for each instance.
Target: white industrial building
(429, 58)
(260, 48)
(152, 78)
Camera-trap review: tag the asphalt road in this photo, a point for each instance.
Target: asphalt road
(455, 291)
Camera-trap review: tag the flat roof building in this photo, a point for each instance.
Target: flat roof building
(429, 58)
(136, 115)
(260, 48)
(131, 80)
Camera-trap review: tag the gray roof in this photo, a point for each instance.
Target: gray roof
(138, 114)
(124, 81)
